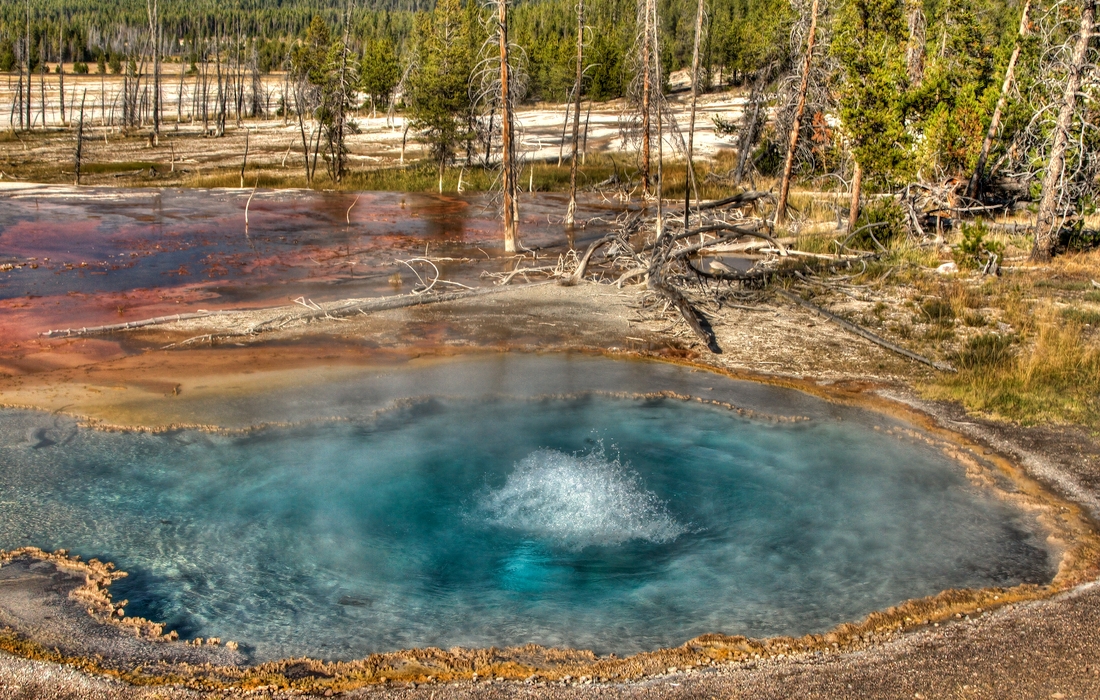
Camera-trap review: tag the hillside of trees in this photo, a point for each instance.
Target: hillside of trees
(972, 102)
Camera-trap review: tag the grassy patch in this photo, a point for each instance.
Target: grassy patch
(1051, 375)
(936, 310)
(94, 168)
(1084, 317)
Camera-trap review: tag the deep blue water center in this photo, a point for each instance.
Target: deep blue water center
(617, 524)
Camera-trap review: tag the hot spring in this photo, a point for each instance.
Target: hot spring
(506, 500)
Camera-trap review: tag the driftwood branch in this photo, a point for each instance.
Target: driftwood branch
(578, 274)
(695, 320)
(864, 333)
(349, 308)
(130, 325)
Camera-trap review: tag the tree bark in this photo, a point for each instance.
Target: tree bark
(857, 188)
(79, 156)
(660, 125)
(796, 123)
(510, 214)
(571, 211)
(27, 51)
(748, 134)
(974, 189)
(340, 116)
(914, 52)
(154, 37)
(646, 87)
(691, 186)
(61, 71)
(1047, 222)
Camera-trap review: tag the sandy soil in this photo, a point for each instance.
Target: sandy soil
(187, 150)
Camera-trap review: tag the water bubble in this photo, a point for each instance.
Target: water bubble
(578, 501)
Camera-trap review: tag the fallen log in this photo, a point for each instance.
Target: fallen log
(130, 325)
(578, 274)
(864, 333)
(698, 323)
(739, 199)
(350, 308)
(383, 304)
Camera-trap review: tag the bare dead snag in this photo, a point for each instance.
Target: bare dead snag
(698, 323)
(646, 89)
(79, 156)
(691, 123)
(914, 51)
(857, 187)
(796, 122)
(510, 213)
(1047, 221)
(244, 160)
(571, 210)
(973, 190)
(582, 266)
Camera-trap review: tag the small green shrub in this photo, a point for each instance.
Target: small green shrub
(974, 319)
(975, 249)
(881, 221)
(1086, 317)
(937, 311)
(985, 351)
(1078, 238)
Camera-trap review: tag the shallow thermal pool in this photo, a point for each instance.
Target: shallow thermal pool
(491, 514)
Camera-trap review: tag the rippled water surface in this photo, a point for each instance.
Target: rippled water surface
(107, 255)
(611, 523)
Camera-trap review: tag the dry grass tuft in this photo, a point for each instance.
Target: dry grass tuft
(1042, 365)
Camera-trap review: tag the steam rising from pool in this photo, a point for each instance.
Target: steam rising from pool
(500, 520)
(578, 501)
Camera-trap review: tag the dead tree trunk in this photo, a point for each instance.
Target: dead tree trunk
(179, 94)
(646, 87)
(747, 137)
(42, 79)
(286, 89)
(914, 52)
(305, 141)
(339, 119)
(154, 37)
(1048, 220)
(571, 211)
(61, 71)
(27, 55)
(79, 156)
(796, 122)
(660, 130)
(221, 101)
(974, 189)
(691, 186)
(507, 138)
(857, 187)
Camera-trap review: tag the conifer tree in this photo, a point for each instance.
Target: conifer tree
(869, 43)
(379, 72)
(438, 95)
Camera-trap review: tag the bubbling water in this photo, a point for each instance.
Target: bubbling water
(577, 501)
(490, 521)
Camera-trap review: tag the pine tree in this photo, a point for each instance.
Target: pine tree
(869, 43)
(438, 95)
(379, 72)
